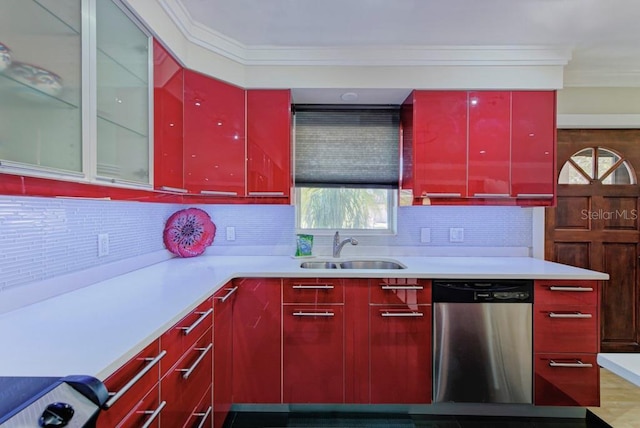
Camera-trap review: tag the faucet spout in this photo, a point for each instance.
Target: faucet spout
(337, 244)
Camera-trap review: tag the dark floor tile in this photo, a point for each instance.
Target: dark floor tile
(594, 421)
(435, 421)
(493, 422)
(559, 423)
(256, 420)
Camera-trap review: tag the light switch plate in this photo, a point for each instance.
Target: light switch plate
(231, 233)
(456, 234)
(103, 244)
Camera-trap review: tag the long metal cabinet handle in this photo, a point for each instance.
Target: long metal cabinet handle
(402, 287)
(561, 288)
(266, 193)
(313, 287)
(313, 314)
(203, 353)
(226, 296)
(535, 195)
(577, 364)
(440, 195)
(203, 316)
(402, 314)
(573, 315)
(218, 193)
(491, 195)
(154, 414)
(204, 416)
(117, 395)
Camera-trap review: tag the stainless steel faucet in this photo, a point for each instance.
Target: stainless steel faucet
(337, 245)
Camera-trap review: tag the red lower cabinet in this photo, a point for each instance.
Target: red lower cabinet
(566, 380)
(313, 353)
(186, 382)
(202, 414)
(134, 389)
(400, 354)
(256, 341)
(223, 305)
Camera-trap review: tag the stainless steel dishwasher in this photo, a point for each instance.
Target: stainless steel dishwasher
(482, 341)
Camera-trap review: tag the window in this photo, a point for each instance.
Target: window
(346, 168)
(596, 164)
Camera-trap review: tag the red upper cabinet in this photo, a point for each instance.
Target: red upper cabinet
(168, 94)
(489, 143)
(214, 136)
(533, 144)
(269, 143)
(438, 133)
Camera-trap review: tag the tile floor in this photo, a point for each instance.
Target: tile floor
(619, 408)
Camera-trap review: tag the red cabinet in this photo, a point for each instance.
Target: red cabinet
(489, 148)
(269, 143)
(313, 338)
(400, 338)
(214, 136)
(435, 149)
(134, 387)
(493, 146)
(256, 341)
(566, 342)
(168, 102)
(533, 143)
(223, 304)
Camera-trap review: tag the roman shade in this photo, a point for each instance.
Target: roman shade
(352, 147)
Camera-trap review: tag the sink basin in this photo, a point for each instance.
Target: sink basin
(371, 264)
(319, 265)
(353, 264)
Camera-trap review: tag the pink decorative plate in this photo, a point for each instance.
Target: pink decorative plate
(189, 232)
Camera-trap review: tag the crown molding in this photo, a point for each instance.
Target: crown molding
(387, 56)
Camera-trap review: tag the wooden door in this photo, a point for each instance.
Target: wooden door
(595, 224)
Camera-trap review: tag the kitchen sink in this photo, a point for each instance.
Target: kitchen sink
(319, 265)
(353, 264)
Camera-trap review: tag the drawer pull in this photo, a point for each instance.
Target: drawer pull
(312, 287)
(203, 316)
(117, 395)
(154, 414)
(402, 287)
(203, 416)
(561, 288)
(230, 291)
(440, 195)
(535, 195)
(578, 364)
(572, 315)
(266, 193)
(402, 314)
(313, 314)
(218, 193)
(203, 353)
(491, 195)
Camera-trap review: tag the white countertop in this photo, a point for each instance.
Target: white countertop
(627, 365)
(95, 329)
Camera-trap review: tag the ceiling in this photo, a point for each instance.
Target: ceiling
(601, 38)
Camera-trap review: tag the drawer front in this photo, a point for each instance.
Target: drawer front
(148, 410)
(565, 328)
(566, 292)
(130, 383)
(400, 291)
(202, 415)
(181, 337)
(187, 381)
(566, 380)
(313, 290)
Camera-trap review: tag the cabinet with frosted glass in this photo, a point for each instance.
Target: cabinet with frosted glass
(72, 104)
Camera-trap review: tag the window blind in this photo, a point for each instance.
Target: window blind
(347, 147)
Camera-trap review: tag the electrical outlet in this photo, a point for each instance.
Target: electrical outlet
(231, 233)
(456, 234)
(425, 234)
(103, 244)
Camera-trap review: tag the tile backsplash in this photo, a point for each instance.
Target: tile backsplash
(42, 238)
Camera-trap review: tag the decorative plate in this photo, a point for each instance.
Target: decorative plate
(36, 77)
(189, 232)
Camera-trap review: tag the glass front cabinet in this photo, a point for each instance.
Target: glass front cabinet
(75, 92)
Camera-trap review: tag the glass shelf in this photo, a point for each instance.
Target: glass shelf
(19, 94)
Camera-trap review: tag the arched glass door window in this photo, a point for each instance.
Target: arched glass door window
(597, 164)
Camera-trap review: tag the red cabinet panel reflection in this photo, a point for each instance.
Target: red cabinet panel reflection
(214, 136)
(269, 143)
(168, 100)
(533, 144)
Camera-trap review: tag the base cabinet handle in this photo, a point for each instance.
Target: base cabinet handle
(577, 289)
(117, 395)
(203, 416)
(203, 353)
(401, 314)
(312, 287)
(577, 364)
(571, 315)
(203, 316)
(402, 287)
(313, 314)
(229, 293)
(154, 414)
